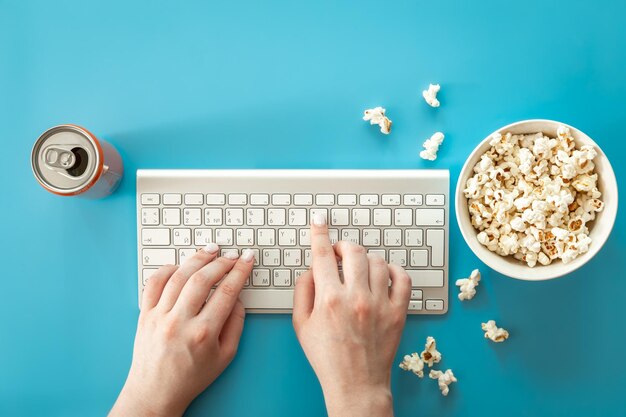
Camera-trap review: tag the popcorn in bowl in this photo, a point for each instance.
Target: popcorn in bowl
(532, 197)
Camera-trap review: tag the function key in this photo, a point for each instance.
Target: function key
(325, 199)
(435, 199)
(259, 199)
(172, 199)
(149, 199)
(281, 199)
(237, 199)
(368, 199)
(391, 199)
(346, 199)
(215, 199)
(193, 199)
(413, 200)
(303, 200)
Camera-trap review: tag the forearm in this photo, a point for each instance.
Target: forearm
(131, 404)
(375, 402)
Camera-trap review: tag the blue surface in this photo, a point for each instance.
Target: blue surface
(283, 85)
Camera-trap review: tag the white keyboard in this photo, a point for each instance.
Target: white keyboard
(402, 215)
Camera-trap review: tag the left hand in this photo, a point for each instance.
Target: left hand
(182, 344)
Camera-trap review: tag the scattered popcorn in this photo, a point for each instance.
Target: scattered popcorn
(467, 286)
(443, 379)
(431, 146)
(376, 116)
(430, 95)
(414, 364)
(532, 197)
(493, 332)
(431, 355)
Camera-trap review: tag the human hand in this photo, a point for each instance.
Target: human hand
(182, 344)
(350, 330)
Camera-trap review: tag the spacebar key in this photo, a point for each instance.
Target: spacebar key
(267, 299)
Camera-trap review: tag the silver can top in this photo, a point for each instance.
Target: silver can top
(66, 159)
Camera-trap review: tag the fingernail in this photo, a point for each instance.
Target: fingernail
(211, 248)
(247, 255)
(319, 220)
(231, 255)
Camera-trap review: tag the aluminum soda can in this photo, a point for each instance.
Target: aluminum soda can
(69, 160)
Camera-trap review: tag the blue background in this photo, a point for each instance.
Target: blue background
(283, 85)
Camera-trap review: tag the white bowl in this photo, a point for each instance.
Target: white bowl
(599, 229)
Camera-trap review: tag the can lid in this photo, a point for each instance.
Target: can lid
(65, 159)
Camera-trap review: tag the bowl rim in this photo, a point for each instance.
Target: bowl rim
(540, 272)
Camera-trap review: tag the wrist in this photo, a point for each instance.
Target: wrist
(359, 401)
(132, 402)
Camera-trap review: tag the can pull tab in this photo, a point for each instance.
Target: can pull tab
(59, 158)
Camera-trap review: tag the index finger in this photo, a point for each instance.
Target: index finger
(324, 264)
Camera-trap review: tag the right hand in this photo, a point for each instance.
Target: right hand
(350, 330)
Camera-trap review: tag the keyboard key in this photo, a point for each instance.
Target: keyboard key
(429, 217)
(379, 252)
(339, 217)
(307, 257)
(193, 199)
(435, 239)
(413, 237)
(368, 199)
(224, 237)
(297, 273)
(392, 237)
(158, 257)
(346, 199)
(202, 237)
(225, 252)
(303, 200)
(255, 217)
(146, 273)
(292, 257)
(271, 257)
(155, 237)
(150, 216)
(391, 199)
(435, 200)
(325, 199)
(237, 199)
(419, 257)
(350, 235)
(416, 294)
(245, 237)
(215, 199)
(320, 211)
(276, 217)
(403, 217)
(434, 304)
(172, 199)
(269, 299)
(412, 199)
(297, 217)
(171, 217)
(371, 237)
(234, 216)
(397, 257)
(415, 305)
(257, 257)
(266, 237)
(304, 237)
(360, 217)
(282, 277)
(259, 199)
(281, 199)
(287, 237)
(150, 199)
(213, 216)
(182, 237)
(184, 254)
(382, 217)
(333, 235)
(426, 278)
(192, 217)
(260, 278)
